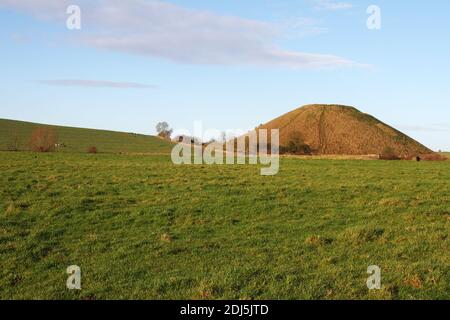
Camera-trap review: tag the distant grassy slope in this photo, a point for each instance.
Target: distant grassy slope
(79, 140)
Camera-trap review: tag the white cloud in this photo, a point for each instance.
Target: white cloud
(159, 29)
(96, 84)
(331, 5)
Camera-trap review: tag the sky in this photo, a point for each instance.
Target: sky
(231, 64)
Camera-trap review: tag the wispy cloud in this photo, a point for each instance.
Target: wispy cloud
(20, 38)
(95, 84)
(159, 29)
(331, 5)
(297, 28)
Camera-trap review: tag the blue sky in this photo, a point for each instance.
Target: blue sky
(229, 63)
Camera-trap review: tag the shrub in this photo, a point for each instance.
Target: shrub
(433, 157)
(92, 150)
(389, 154)
(296, 145)
(44, 140)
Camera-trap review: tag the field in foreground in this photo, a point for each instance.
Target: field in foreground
(140, 227)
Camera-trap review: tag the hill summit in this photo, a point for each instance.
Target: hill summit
(337, 129)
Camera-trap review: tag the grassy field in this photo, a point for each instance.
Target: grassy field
(140, 227)
(79, 140)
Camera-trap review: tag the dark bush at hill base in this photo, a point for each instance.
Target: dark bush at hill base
(296, 145)
(389, 154)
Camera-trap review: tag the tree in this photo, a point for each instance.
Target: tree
(223, 137)
(44, 140)
(163, 130)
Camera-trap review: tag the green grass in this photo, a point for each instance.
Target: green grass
(140, 227)
(79, 140)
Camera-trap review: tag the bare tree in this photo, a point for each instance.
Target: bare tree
(163, 130)
(44, 139)
(223, 136)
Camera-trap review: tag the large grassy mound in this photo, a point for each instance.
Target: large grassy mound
(335, 129)
(79, 140)
(141, 227)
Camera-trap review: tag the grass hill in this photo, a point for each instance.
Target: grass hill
(336, 129)
(79, 140)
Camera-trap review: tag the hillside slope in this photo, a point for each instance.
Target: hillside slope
(335, 129)
(79, 140)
